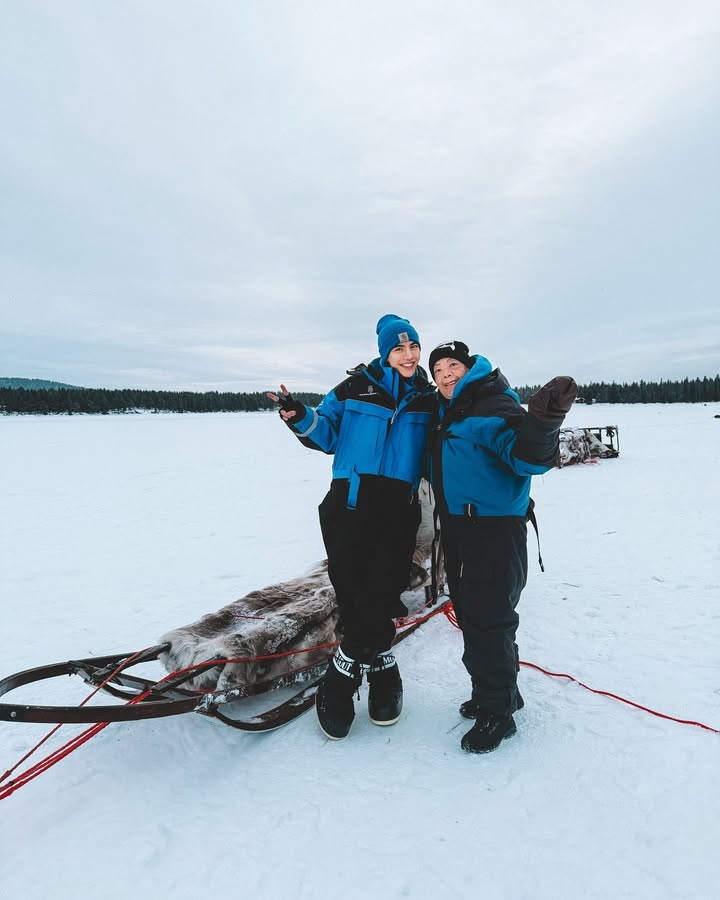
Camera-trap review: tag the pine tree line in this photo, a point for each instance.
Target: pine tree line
(689, 390)
(102, 401)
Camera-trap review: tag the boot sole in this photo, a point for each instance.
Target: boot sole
(386, 722)
(332, 737)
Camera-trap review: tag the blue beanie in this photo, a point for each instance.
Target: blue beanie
(391, 331)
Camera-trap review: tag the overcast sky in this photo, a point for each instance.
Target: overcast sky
(223, 195)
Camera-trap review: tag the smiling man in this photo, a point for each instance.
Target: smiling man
(375, 423)
(485, 448)
(405, 358)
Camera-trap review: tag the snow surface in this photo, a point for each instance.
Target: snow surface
(115, 529)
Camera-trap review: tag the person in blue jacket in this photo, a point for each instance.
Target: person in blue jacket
(485, 448)
(376, 424)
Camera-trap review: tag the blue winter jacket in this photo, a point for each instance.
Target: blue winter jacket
(485, 447)
(375, 423)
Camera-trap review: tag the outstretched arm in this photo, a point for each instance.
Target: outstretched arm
(322, 423)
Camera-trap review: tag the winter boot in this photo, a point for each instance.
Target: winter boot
(471, 709)
(334, 699)
(488, 732)
(385, 690)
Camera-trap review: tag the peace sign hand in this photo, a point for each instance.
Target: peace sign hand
(289, 406)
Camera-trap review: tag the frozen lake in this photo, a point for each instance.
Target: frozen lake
(115, 529)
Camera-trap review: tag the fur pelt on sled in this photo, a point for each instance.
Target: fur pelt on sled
(291, 615)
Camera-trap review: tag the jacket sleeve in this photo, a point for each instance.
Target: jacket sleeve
(319, 428)
(525, 444)
(537, 447)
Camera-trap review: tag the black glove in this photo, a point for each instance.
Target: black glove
(551, 403)
(288, 403)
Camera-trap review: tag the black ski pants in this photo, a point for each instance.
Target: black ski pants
(370, 550)
(486, 562)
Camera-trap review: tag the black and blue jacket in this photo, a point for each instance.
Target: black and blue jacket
(375, 423)
(485, 447)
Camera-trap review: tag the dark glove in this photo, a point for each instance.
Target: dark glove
(288, 403)
(551, 403)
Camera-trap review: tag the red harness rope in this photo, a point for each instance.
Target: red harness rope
(450, 613)
(653, 712)
(66, 748)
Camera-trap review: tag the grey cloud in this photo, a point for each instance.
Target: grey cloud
(193, 193)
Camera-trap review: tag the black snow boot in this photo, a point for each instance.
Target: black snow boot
(488, 732)
(471, 709)
(385, 690)
(334, 700)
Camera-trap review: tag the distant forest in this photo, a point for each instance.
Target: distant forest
(100, 401)
(689, 390)
(35, 384)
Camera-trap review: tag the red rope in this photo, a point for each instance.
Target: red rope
(50, 760)
(653, 712)
(403, 621)
(450, 613)
(73, 744)
(124, 663)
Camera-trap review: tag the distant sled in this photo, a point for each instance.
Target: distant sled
(581, 445)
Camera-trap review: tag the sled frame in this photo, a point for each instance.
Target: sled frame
(166, 698)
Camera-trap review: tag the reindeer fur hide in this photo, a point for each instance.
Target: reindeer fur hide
(291, 615)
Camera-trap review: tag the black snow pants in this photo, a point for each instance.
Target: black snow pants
(486, 562)
(370, 550)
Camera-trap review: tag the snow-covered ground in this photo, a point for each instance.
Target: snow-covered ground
(115, 529)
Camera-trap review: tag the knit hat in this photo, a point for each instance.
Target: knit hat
(451, 350)
(391, 331)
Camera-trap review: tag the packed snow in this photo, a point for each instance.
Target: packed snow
(115, 529)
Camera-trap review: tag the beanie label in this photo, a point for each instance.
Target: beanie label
(403, 336)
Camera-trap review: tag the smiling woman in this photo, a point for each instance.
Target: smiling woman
(485, 449)
(449, 362)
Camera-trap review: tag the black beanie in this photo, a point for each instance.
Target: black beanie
(451, 350)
